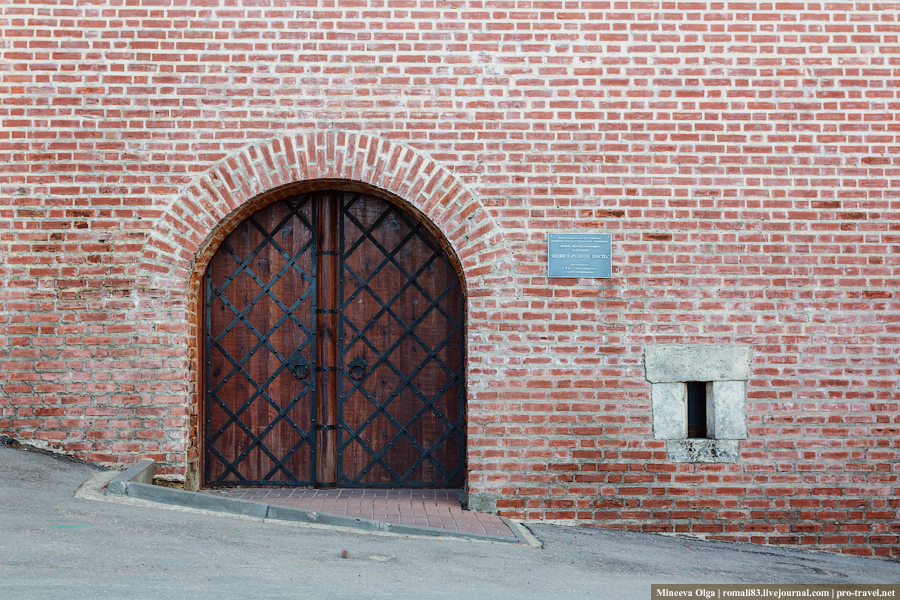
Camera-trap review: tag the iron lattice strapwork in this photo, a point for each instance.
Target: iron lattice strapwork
(260, 350)
(334, 362)
(401, 348)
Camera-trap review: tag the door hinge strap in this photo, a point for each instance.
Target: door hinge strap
(326, 427)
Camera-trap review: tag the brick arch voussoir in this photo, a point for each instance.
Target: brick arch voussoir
(184, 238)
(191, 227)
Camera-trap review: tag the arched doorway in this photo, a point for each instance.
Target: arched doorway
(333, 332)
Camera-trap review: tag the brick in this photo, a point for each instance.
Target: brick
(752, 202)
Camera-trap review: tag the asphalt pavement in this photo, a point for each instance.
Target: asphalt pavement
(59, 542)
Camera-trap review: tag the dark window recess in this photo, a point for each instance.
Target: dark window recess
(696, 409)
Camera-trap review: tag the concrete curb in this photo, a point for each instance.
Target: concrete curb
(526, 538)
(155, 493)
(135, 483)
(141, 472)
(290, 513)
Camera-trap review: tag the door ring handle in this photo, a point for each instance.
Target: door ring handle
(357, 368)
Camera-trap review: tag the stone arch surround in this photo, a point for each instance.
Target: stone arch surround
(188, 232)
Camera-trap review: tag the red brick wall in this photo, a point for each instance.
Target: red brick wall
(745, 158)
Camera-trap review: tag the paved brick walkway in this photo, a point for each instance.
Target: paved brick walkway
(427, 508)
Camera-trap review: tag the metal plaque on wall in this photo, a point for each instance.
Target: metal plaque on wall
(580, 255)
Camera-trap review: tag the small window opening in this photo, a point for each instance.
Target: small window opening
(696, 409)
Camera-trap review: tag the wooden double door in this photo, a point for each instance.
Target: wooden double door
(333, 327)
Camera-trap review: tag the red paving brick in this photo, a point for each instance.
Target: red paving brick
(440, 509)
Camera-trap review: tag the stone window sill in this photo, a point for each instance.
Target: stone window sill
(702, 451)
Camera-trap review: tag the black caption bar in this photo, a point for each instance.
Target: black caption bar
(659, 591)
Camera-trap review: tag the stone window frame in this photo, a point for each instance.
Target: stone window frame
(726, 370)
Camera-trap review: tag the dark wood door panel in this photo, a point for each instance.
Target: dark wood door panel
(334, 349)
(260, 348)
(401, 316)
